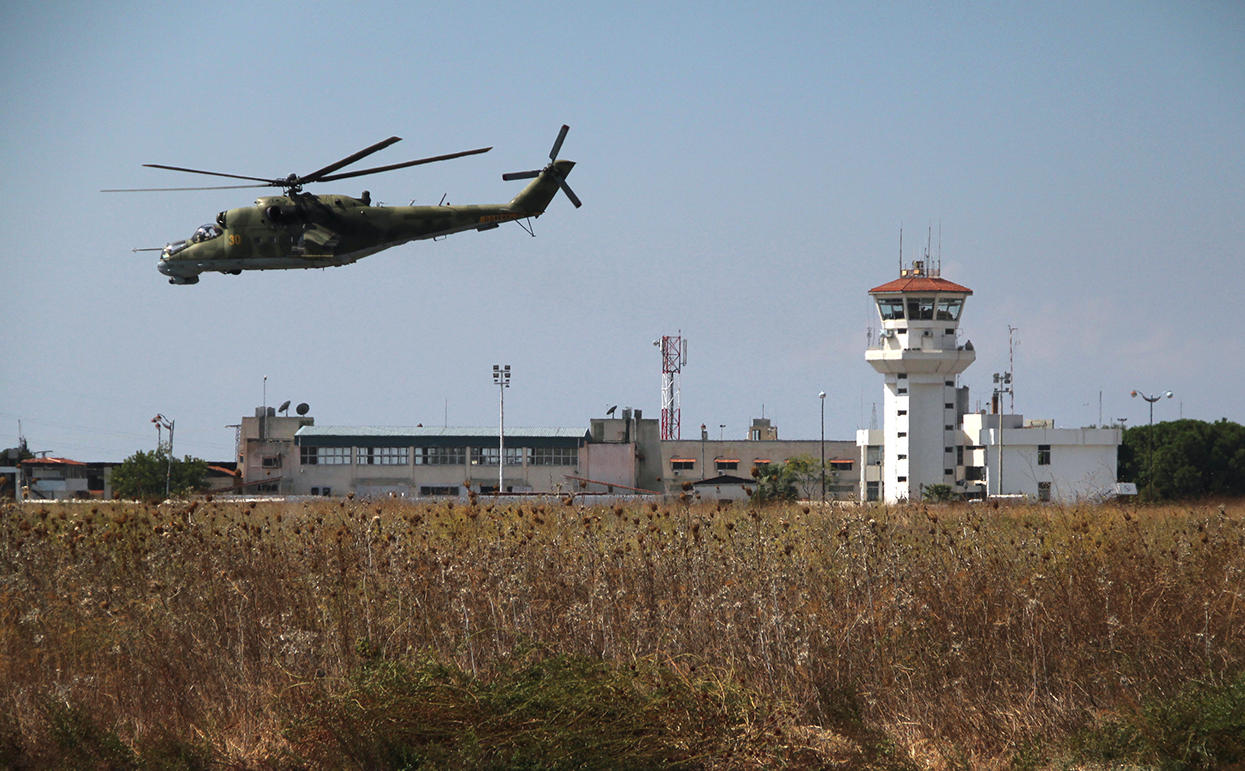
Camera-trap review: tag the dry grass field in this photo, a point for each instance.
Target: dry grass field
(349, 633)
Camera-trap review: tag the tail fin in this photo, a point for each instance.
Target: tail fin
(540, 191)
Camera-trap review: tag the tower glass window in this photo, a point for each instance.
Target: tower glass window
(890, 307)
(921, 308)
(949, 308)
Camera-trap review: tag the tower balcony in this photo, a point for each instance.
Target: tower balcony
(893, 360)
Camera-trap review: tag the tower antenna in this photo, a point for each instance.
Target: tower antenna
(901, 248)
(673, 358)
(1011, 364)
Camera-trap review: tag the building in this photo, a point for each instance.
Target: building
(920, 357)
(1006, 455)
(929, 437)
(615, 456)
(422, 462)
(266, 455)
(63, 479)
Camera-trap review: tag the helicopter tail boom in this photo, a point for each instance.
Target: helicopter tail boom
(534, 198)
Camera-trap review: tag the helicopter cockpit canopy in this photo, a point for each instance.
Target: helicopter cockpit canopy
(205, 233)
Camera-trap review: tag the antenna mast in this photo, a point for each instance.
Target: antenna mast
(1011, 364)
(673, 359)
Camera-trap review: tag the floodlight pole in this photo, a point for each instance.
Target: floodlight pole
(501, 378)
(822, 397)
(1002, 385)
(164, 422)
(1150, 434)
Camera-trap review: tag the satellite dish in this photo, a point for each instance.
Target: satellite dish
(303, 408)
(285, 406)
(610, 411)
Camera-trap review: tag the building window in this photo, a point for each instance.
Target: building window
(890, 308)
(382, 456)
(959, 455)
(428, 490)
(901, 479)
(901, 390)
(902, 434)
(682, 464)
(974, 473)
(515, 456)
(921, 308)
(726, 464)
(949, 405)
(484, 456)
(949, 427)
(323, 491)
(271, 461)
(440, 456)
(324, 456)
(902, 412)
(949, 309)
(872, 491)
(949, 472)
(840, 465)
(873, 455)
(901, 456)
(1044, 491)
(1043, 454)
(555, 456)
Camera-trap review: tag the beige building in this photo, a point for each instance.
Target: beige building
(616, 456)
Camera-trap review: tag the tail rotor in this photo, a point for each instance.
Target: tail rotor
(552, 170)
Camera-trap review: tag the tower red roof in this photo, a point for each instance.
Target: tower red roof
(920, 284)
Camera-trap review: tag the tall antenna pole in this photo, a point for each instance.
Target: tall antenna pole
(673, 358)
(1011, 365)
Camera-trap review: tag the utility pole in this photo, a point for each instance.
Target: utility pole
(501, 378)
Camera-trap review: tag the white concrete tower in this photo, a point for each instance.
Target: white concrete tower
(920, 358)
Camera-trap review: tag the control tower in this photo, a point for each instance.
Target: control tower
(920, 358)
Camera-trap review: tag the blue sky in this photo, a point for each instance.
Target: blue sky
(745, 169)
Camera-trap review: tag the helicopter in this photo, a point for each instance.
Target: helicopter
(302, 230)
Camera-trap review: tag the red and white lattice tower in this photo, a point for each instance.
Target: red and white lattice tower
(673, 359)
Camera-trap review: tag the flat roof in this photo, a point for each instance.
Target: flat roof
(437, 436)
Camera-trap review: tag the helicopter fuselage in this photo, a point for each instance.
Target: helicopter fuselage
(301, 230)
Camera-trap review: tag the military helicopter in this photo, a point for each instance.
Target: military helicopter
(302, 230)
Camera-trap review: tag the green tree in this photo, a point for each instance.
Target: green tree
(807, 471)
(142, 475)
(1184, 459)
(775, 482)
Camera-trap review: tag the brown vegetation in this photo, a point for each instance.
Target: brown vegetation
(937, 635)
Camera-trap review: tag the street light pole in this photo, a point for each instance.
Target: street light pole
(1150, 434)
(822, 397)
(164, 422)
(501, 378)
(1002, 385)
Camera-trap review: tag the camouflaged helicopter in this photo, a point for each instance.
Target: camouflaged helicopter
(302, 230)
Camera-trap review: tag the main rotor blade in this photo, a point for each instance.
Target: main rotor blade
(211, 173)
(318, 175)
(557, 144)
(392, 166)
(175, 189)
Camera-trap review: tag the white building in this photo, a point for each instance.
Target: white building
(928, 436)
(1034, 459)
(920, 357)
